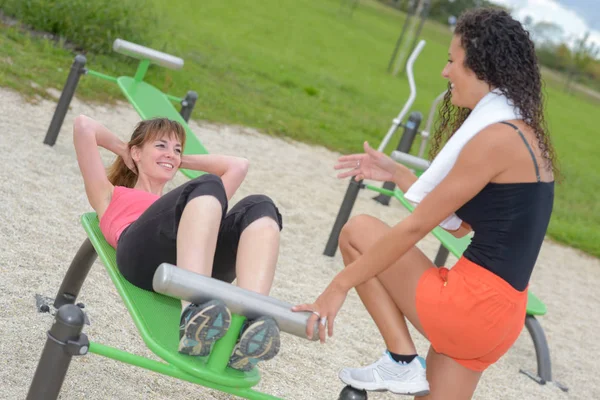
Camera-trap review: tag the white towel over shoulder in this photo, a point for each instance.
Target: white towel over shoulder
(492, 108)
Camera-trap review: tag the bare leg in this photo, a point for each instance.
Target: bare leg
(390, 296)
(257, 255)
(197, 236)
(448, 379)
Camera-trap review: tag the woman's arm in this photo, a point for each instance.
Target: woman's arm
(404, 179)
(87, 136)
(480, 161)
(232, 170)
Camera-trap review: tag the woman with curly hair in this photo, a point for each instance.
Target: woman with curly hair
(500, 185)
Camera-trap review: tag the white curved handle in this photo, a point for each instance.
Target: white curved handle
(137, 51)
(411, 98)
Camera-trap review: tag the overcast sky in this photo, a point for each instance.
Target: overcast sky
(575, 17)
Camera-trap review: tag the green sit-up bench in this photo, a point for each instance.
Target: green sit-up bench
(155, 315)
(456, 246)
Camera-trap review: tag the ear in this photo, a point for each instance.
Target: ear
(136, 153)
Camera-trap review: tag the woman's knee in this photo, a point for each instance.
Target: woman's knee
(207, 185)
(260, 207)
(351, 231)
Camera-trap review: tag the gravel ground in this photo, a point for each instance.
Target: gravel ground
(43, 197)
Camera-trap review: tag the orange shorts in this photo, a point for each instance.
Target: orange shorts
(469, 313)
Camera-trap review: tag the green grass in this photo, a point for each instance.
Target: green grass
(301, 70)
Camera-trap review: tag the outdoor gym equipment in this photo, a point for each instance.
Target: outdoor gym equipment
(197, 289)
(155, 315)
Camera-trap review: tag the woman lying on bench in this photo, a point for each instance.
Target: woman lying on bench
(189, 226)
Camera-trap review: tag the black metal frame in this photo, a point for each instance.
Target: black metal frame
(77, 69)
(65, 338)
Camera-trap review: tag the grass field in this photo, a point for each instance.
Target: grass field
(302, 70)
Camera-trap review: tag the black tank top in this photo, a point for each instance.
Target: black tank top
(509, 221)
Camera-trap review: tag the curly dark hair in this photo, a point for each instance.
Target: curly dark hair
(500, 52)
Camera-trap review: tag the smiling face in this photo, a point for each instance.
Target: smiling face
(159, 158)
(465, 87)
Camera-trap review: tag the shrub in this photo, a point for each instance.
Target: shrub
(90, 25)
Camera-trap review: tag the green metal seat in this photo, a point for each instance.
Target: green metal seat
(157, 318)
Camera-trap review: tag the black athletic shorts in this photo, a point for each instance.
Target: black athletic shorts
(151, 239)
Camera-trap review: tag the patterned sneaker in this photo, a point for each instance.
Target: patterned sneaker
(387, 374)
(259, 342)
(201, 326)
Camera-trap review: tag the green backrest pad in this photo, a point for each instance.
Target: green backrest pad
(457, 246)
(150, 102)
(157, 317)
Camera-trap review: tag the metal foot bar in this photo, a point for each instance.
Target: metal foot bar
(342, 217)
(77, 69)
(64, 341)
(76, 274)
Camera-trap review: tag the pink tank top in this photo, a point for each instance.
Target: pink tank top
(126, 205)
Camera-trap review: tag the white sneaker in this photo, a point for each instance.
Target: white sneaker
(387, 374)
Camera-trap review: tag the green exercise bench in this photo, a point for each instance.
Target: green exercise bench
(155, 315)
(448, 244)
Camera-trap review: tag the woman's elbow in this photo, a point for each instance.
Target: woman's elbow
(81, 125)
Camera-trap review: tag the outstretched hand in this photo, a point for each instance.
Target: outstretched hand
(372, 165)
(324, 310)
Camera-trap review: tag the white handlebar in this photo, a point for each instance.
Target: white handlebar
(141, 52)
(411, 98)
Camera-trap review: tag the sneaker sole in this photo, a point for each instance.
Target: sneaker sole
(260, 342)
(204, 328)
(394, 387)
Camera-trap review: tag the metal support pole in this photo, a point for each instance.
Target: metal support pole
(343, 216)
(76, 274)
(544, 366)
(411, 129)
(423, 16)
(77, 68)
(64, 341)
(441, 256)
(187, 105)
(409, 16)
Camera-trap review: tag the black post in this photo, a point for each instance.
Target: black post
(342, 217)
(411, 128)
(76, 274)
(441, 257)
(187, 105)
(77, 68)
(64, 341)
